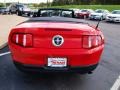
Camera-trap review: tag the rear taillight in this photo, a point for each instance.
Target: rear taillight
(25, 40)
(91, 41)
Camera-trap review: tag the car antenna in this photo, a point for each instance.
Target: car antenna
(97, 24)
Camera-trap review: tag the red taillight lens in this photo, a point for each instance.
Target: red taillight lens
(25, 40)
(87, 42)
(91, 41)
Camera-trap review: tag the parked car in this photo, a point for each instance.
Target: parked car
(114, 16)
(84, 13)
(4, 10)
(50, 44)
(19, 9)
(13, 8)
(99, 14)
(24, 10)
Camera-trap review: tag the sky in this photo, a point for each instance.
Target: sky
(24, 1)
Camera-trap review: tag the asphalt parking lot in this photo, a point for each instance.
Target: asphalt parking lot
(103, 78)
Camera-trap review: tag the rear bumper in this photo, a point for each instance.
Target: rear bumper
(112, 20)
(25, 12)
(82, 15)
(33, 68)
(94, 18)
(39, 56)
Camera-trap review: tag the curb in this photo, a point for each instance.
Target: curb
(3, 45)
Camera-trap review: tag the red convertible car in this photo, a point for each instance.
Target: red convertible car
(56, 44)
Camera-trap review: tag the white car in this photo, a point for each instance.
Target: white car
(99, 14)
(114, 16)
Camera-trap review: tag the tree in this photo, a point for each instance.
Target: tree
(1, 5)
(79, 2)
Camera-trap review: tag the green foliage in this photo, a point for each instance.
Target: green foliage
(108, 7)
(39, 5)
(85, 2)
(7, 4)
(1, 5)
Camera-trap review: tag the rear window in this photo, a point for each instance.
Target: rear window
(83, 10)
(116, 12)
(99, 11)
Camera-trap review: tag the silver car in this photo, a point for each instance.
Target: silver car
(114, 16)
(99, 14)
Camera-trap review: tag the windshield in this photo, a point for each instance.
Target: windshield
(2, 8)
(99, 11)
(21, 6)
(83, 10)
(116, 12)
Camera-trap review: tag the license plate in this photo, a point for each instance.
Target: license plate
(57, 62)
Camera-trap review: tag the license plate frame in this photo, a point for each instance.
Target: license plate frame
(56, 62)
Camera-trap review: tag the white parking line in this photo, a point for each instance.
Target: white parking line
(6, 53)
(116, 85)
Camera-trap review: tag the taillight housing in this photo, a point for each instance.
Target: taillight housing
(22, 39)
(91, 41)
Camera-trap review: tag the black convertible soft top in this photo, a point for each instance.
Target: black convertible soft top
(55, 9)
(56, 19)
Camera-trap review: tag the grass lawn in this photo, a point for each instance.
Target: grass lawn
(108, 7)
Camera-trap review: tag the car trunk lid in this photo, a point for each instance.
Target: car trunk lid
(44, 33)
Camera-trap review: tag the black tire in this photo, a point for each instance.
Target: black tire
(28, 14)
(19, 13)
(10, 12)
